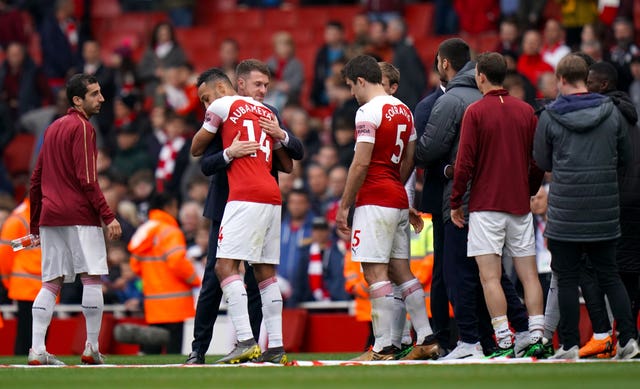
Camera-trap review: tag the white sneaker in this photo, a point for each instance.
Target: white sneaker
(43, 358)
(91, 356)
(629, 351)
(523, 340)
(572, 353)
(465, 351)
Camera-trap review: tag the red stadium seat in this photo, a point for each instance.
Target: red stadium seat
(419, 18)
(105, 8)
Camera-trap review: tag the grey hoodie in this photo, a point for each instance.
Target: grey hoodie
(582, 140)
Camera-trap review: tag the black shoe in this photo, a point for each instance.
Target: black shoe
(195, 358)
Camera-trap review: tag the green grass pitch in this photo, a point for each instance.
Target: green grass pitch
(602, 375)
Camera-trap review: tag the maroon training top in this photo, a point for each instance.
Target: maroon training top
(64, 185)
(495, 152)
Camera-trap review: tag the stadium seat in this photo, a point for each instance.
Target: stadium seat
(419, 19)
(428, 47)
(294, 322)
(105, 8)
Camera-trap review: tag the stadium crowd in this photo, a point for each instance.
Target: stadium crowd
(152, 111)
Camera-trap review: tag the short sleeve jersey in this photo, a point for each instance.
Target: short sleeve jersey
(250, 177)
(387, 123)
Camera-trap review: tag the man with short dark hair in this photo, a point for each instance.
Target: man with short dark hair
(582, 139)
(383, 161)
(496, 141)
(67, 211)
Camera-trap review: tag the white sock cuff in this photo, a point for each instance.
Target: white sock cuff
(380, 289)
(409, 287)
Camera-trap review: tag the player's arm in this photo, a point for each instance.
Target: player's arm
(212, 121)
(200, 141)
(355, 179)
(283, 161)
(543, 144)
(35, 197)
(408, 163)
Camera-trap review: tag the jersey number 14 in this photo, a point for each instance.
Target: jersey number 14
(265, 144)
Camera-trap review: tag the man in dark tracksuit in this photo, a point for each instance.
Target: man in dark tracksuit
(440, 141)
(253, 79)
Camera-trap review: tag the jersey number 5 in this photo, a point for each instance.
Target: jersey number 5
(396, 158)
(265, 145)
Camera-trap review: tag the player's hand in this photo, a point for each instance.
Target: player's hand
(341, 221)
(416, 220)
(272, 127)
(240, 148)
(457, 217)
(114, 231)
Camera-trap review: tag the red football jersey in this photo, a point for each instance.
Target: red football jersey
(387, 123)
(250, 177)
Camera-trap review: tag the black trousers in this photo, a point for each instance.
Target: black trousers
(567, 264)
(211, 295)
(465, 292)
(24, 328)
(631, 281)
(439, 299)
(593, 297)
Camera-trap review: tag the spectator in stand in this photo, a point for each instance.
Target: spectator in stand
(23, 86)
(593, 49)
(358, 45)
(384, 10)
(130, 154)
(408, 62)
(287, 72)
(167, 284)
(623, 52)
(170, 165)
(180, 12)
(548, 87)
(509, 38)
(298, 123)
(576, 14)
(446, 19)
(379, 47)
(163, 51)
(333, 49)
(327, 157)
(114, 201)
(337, 183)
(317, 182)
(325, 262)
(61, 38)
(141, 187)
(125, 75)
(477, 16)
(539, 206)
(197, 189)
(530, 63)
(229, 57)
(294, 241)
(11, 26)
(92, 64)
(178, 92)
(530, 13)
(121, 285)
(190, 217)
(554, 48)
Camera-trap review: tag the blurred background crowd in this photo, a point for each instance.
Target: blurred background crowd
(147, 54)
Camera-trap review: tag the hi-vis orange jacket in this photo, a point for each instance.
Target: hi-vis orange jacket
(22, 270)
(158, 251)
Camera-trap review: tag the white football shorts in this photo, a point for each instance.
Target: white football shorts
(490, 232)
(379, 233)
(71, 250)
(250, 231)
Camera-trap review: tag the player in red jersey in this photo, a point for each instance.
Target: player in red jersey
(385, 143)
(250, 227)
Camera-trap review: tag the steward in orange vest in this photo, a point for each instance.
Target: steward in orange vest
(21, 272)
(158, 256)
